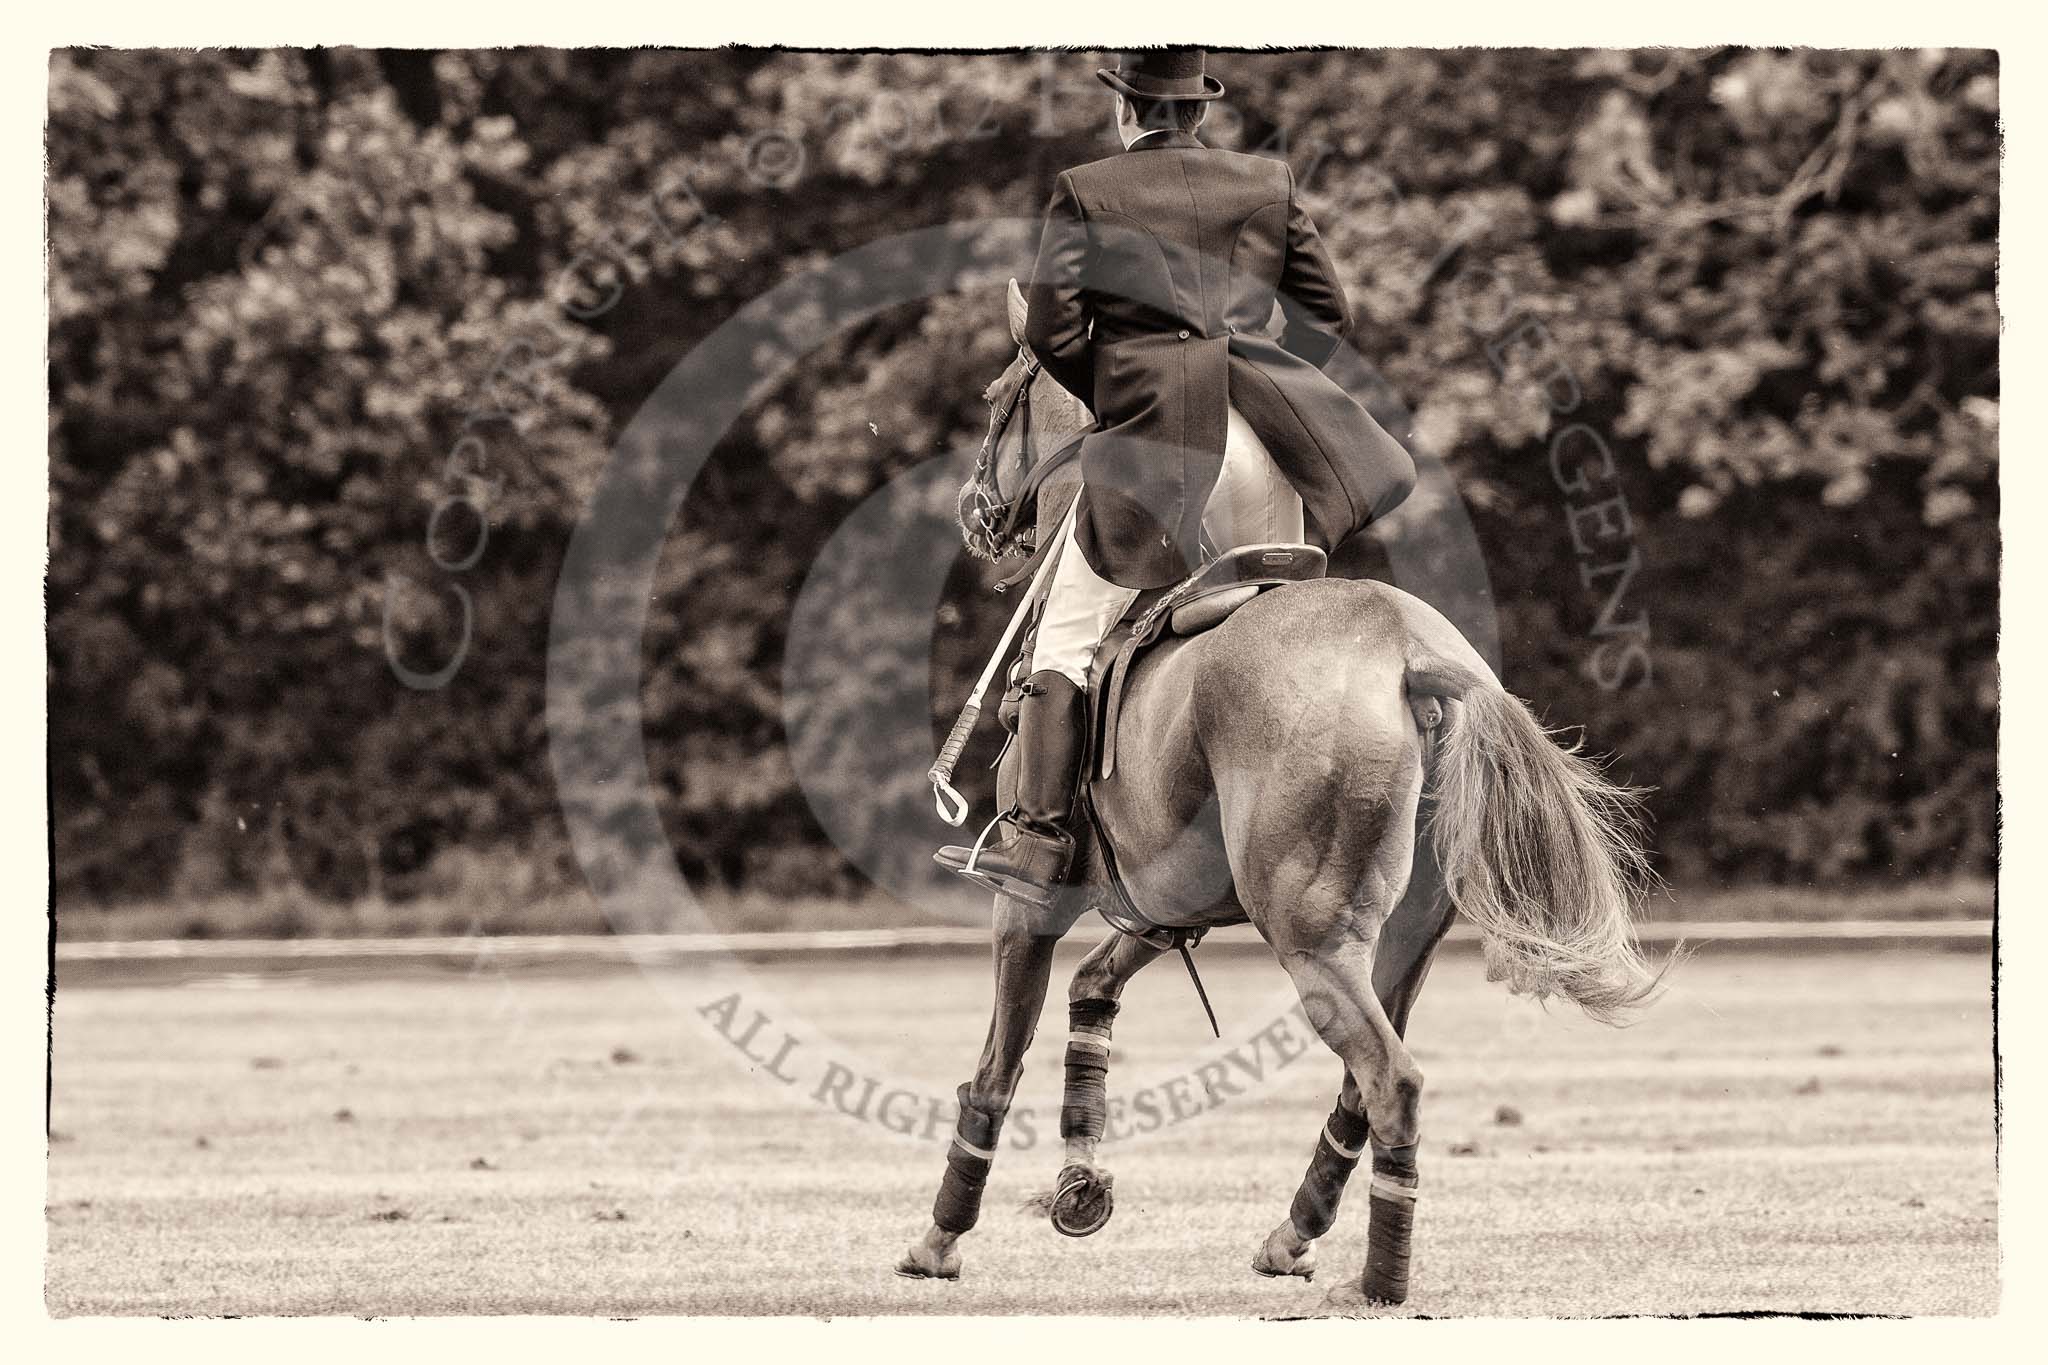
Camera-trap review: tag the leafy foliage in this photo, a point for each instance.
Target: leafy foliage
(325, 323)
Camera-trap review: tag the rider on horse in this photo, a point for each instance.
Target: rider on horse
(1156, 279)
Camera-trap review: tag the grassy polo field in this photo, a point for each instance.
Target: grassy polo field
(1790, 1128)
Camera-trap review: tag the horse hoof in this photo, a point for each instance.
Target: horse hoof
(920, 1263)
(1284, 1253)
(1280, 1267)
(1082, 1203)
(1350, 1299)
(1275, 1272)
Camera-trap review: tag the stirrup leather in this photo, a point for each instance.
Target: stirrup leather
(974, 854)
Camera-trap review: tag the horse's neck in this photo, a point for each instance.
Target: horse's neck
(1054, 498)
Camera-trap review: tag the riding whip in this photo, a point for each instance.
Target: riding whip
(941, 774)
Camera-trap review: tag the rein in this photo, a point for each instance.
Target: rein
(999, 522)
(1027, 498)
(995, 518)
(997, 526)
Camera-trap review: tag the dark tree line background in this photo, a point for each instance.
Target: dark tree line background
(281, 281)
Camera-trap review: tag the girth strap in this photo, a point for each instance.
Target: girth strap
(1123, 914)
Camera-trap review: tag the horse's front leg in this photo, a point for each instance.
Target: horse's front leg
(1081, 1200)
(1025, 936)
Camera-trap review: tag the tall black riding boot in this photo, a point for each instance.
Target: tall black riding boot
(1035, 855)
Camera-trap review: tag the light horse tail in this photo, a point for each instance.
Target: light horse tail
(1537, 847)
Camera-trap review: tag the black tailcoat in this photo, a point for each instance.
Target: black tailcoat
(1151, 302)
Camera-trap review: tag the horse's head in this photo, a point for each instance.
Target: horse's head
(1030, 416)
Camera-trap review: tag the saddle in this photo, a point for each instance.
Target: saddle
(1202, 601)
(1198, 603)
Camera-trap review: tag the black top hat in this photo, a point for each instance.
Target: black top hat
(1164, 73)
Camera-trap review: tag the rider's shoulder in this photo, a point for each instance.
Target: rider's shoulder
(1254, 166)
(1116, 167)
(1099, 171)
(1251, 161)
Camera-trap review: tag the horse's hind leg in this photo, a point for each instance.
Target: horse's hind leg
(1081, 1201)
(1408, 943)
(1335, 983)
(1290, 1249)
(1324, 916)
(1025, 936)
(1401, 959)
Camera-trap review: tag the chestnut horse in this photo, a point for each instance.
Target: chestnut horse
(1335, 764)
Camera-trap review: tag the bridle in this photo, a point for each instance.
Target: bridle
(1005, 523)
(996, 517)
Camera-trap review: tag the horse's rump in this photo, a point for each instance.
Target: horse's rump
(1302, 700)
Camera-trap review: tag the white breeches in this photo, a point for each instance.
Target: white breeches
(1252, 504)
